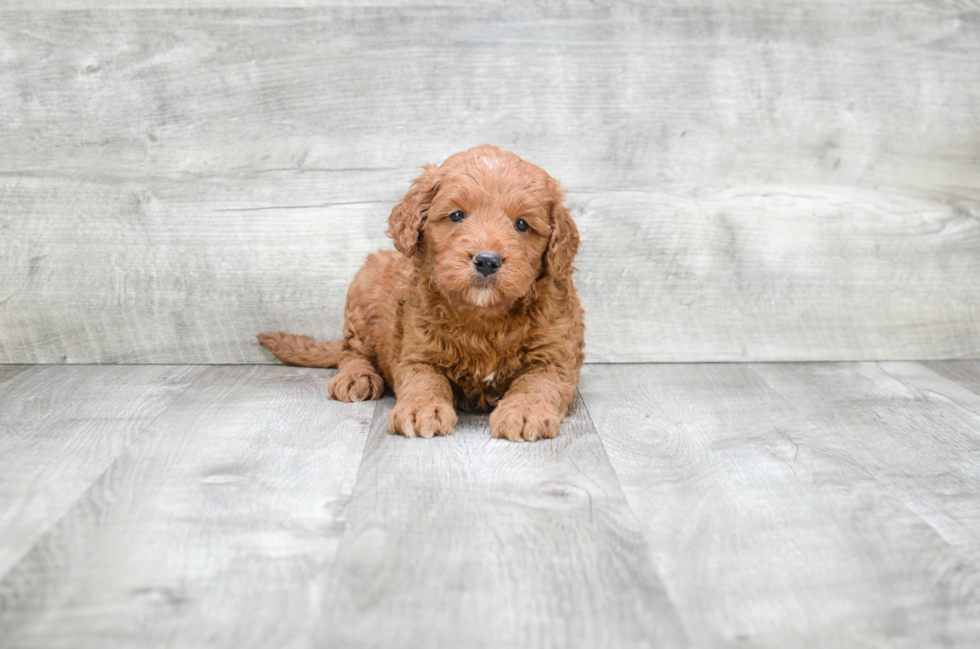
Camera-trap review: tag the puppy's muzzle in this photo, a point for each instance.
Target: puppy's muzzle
(487, 263)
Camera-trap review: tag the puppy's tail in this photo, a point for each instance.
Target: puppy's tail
(300, 350)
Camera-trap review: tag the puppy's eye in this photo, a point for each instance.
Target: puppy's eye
(457, 216)
(521, 225)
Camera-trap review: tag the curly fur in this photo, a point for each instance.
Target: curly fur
(424, 322)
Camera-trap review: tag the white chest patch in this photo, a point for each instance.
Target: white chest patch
(489, 377)
(480, 297)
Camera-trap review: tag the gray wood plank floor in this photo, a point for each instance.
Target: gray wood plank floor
(466, 542)
(763, 505)
(60, 428)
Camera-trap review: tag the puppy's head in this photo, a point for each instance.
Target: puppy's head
(485, 226)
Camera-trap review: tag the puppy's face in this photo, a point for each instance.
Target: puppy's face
(489, 226)
(486, 234)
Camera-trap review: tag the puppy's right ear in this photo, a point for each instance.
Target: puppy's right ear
(408, 217)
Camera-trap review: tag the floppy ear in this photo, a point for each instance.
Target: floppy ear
(408, 217)
(563, 244)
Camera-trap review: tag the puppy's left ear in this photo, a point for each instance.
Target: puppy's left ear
(563, 243)
(408, 217)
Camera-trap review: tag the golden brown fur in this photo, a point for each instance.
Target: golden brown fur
(424, 322)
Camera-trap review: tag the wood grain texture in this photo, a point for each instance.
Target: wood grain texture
(929, 8)
(467, 541)
(60, 428)
(753, 181)
(769, 530)
(211, 530)
(915, 431)
(764, 505)
(966, 373)
(8, 372)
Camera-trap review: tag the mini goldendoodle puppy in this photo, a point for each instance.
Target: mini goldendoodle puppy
(476, 310)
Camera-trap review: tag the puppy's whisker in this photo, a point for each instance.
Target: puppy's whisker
(439, 276)
(530, 293)
(436, 276)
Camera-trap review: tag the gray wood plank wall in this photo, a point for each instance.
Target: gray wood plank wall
(753, 181)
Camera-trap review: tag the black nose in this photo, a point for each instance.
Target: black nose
(487, 263)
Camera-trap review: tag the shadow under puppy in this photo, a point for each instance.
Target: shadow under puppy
(476, 309)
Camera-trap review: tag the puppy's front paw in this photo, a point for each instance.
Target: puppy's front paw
(422, 417)
(355, 386)
(523, 418)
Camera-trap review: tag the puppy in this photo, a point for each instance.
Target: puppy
(476, 310)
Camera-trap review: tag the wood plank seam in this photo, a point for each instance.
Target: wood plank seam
(885, 484)
(387, 552)
(797, 544)
(667, 584)
(54, 523)
(884, 368)
(224, 457)
(952, 370)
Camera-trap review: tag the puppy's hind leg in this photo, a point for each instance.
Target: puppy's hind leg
(357, 379)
